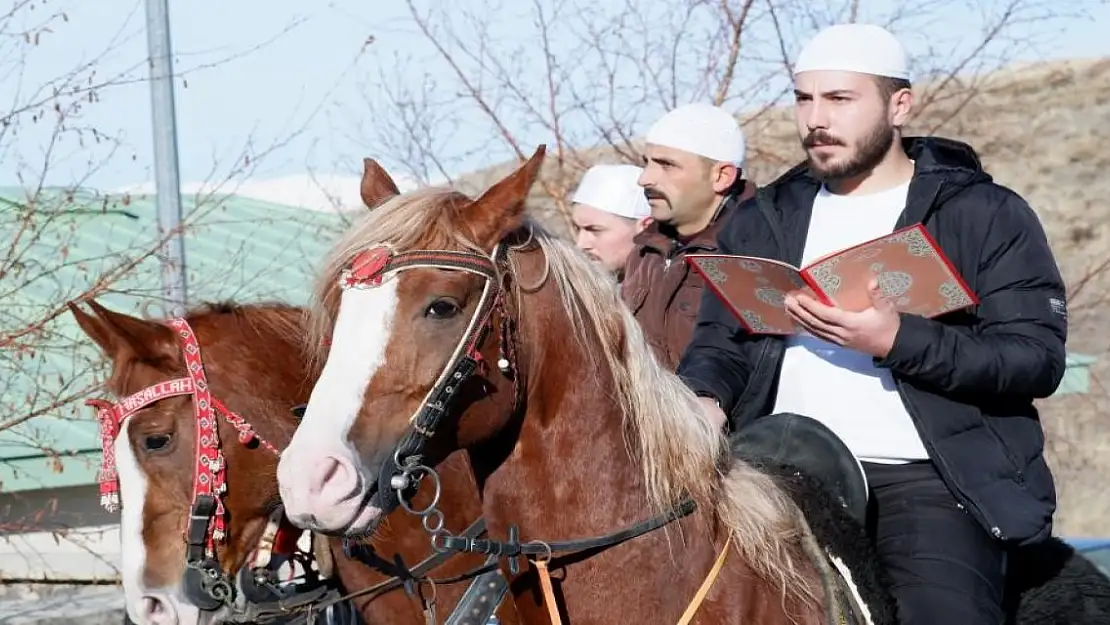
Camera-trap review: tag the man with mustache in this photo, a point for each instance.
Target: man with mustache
(938, 411)
(608, 209)
(692, 180)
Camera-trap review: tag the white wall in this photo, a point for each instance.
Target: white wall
(58, 534)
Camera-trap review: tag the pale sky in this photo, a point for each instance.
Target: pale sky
(318, 65)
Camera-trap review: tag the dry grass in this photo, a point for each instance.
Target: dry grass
(1042, 130)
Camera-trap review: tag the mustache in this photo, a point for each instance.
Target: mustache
(653, 194)
(820, 137)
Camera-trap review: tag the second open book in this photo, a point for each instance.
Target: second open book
(910, 268)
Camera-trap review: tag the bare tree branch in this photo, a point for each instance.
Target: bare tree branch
(590, 76)
(47, 256)
(736, 26)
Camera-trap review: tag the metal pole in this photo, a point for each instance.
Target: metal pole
(167, 180)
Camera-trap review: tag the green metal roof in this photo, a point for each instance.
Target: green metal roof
(235, 248)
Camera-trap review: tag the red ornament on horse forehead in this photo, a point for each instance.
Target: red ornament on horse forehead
(369, 265)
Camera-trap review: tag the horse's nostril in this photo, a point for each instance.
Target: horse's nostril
(157, 612)
(152, 606)
(331, 467)
(336, 479)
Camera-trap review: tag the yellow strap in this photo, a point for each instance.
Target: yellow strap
(548, 592)
(687, 616)
(692, 609)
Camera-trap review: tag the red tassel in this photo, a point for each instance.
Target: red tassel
(285, 543)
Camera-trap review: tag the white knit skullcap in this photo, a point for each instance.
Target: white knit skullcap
(613, 189)
(859, 48)
(701, 129)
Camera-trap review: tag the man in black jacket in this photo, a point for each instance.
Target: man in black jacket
(939, 411)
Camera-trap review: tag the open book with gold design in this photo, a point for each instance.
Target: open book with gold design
(909, 266)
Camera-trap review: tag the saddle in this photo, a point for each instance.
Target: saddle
(810, 447)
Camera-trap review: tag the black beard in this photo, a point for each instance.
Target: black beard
(872, 149)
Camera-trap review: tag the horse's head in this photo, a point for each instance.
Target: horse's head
(173, 449)
(403, 308)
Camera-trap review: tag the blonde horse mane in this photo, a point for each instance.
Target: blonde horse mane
(679, 449)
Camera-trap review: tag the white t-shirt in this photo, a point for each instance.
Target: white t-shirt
(842, 387)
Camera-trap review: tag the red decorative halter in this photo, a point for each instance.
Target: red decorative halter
(209, 473)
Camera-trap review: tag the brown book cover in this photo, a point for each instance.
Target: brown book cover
(910, 268)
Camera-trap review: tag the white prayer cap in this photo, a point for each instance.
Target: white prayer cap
(613, 189)
(701, 129)
(860, 48)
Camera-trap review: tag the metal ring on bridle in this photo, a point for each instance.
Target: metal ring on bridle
(397, 458)
(416, 473)
(436, 546)
(547, 556)
(435, 589)
(432, 513)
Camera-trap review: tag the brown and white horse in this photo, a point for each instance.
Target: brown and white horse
(577, 433)
(168, 447)
(594, 462)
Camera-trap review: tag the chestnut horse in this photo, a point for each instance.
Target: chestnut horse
(594, 461)
(247, 359)
(416, 299)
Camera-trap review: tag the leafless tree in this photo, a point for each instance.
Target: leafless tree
(48, 258)
(587, 77)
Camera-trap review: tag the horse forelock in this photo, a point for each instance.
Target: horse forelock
(419, 219)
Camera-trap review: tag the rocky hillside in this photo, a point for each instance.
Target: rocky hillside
(1042, 130)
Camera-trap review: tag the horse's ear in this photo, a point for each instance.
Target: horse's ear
(377, 185)
(118, 334)
(500, 210)
(93, 327)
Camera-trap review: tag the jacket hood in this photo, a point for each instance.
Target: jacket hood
(955, 160)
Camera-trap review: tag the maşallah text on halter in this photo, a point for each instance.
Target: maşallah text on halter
(910, 268)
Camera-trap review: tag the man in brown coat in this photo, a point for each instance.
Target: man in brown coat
(692, 179)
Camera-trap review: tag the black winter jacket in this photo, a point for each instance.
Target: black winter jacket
(969, 378)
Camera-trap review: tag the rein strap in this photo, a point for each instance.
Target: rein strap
(513, 548)
(550, 601)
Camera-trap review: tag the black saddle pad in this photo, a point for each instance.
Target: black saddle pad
(812, 448)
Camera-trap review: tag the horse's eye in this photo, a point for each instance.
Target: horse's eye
(442, 309)
(155, 442)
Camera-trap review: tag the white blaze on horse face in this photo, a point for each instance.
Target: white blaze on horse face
(358, 346)
(132, 492)
(138, 598)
